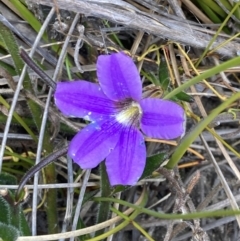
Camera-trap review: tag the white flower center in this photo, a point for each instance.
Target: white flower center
(130, 113)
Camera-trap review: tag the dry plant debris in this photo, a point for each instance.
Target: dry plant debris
(172, 42)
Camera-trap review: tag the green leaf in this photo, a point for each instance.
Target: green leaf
(213, 7)
(119, 188)
(18, 119)
(7, 179)
(163, 75)
(13, 215)
(153, 163)
(18, 220)
(2, 50)
(11, 46)
(5, 211)
(28, 16)
(8, 232)
(9, 43)
(32, 20)
(8, 68)
(184, 97)
(214, 12)
(151, 77)
(81, 225)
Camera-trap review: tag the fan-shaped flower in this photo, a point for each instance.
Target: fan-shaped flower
(117, 112)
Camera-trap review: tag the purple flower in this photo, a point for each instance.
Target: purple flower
(116, 110)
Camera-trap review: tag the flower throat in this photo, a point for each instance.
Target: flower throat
(129, 112)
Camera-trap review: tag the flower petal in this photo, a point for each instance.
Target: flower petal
(162, 119)
(119, 77)
(83, 99)
(126, 162)
(94, 143)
